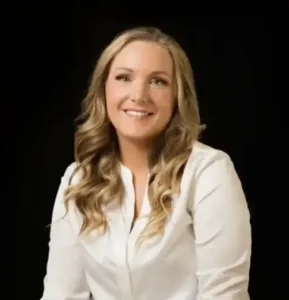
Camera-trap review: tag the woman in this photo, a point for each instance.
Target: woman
(146, 211)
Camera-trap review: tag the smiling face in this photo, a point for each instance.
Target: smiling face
(139, 91)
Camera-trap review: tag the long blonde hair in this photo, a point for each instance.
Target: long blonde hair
(96, 148)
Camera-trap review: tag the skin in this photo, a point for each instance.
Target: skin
(141, 79)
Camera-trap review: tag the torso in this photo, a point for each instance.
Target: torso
(163, 267)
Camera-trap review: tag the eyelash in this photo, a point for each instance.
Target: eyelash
(126, 78)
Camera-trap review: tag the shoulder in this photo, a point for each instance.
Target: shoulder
(69, 175)
(207, 158)
(70, 168)
(211, 174)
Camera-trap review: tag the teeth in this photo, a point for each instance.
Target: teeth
(137, 113)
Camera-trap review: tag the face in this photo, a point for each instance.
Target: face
(139, 91)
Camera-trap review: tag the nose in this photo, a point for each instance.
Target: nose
(139, 92)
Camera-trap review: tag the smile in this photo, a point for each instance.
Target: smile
(138, 114)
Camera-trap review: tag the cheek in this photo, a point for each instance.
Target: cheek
(112, 97)
(165, 105)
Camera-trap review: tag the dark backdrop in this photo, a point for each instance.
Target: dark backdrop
(234, 62)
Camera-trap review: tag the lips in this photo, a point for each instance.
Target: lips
(137, 113)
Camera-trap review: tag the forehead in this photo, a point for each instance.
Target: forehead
(144, 55)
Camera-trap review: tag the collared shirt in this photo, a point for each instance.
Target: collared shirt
(204, 253)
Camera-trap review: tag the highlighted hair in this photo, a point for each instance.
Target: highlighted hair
(96, 148)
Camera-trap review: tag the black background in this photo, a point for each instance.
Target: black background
(235, 58)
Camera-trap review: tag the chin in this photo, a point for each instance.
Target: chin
(139, 137)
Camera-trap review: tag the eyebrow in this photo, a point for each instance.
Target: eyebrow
(131, 71)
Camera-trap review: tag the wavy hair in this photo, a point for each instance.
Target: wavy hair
(96, 147)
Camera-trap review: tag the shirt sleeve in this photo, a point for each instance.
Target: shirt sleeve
(222, 231)
(65, 278)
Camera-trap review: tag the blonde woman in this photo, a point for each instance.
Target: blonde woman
(146, 211)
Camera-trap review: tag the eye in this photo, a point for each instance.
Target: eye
(159, 81)
(122, 77)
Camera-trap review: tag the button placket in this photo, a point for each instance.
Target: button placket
(121, 249)
(129, 237)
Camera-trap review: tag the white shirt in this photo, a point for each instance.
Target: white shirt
(204, 253)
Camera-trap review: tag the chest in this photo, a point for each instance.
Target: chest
(118, 247)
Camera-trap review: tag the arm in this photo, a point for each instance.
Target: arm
(222, 232)
(64, 279)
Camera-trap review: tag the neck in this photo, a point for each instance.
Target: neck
(134, 155)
